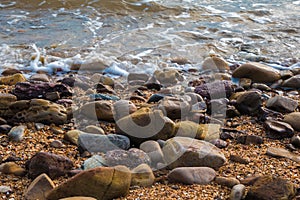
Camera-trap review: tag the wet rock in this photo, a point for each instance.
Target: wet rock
(295, 141)
(227, 181)
(257, 72)
(174, 108)
(93, 162)
(104, 89)
(278, 130)
(95, 143)
(142, 176)
(145, 124)
(250, 139)
(282, 104)
(12, 79)
(31, 90)
(154, 151)
(215, 63)
(94, 129)
(192, 175)
(39, 188)
(12, 168)
(268, 187)
(51, 164)
(101, 110)
(123, 108)
(248, 102)
(2, 121)
(239, 159)
(168, 77)
(17, 133)
(131, 158)
(215, 90)
(102, 183)
(293, 82)
(283, 153)
(293, 119)
(237, 192)
(188, 152)
(221, 144)
(39, 77)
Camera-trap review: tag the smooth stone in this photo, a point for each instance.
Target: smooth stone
(293, 82)
(40, 77)
(295, 140)
(39, 188)
(94, 129)
(56, 144)
(192, 175)
(93, 162)
(250, 139)
(6, 99)
(278, 129)
(101, 110)
(168, 77)
(12, 168)
(144, 125)
(72, 136)
(154, 151)
(283, 153)
(142, 176)
(188, 152)
(215, 63)
(257, 72)
(17, 133)
(227, 181)
(237, 192)
(268, 187)
(95, 143)
(174, 108)
(102, 183)
(131, 158)
(239, 159)
(282, 104)
(51, 164)
(12, 79)
(78, 198)
(248, 102)
(155, 98)
(5, 189)
(123, 108)
(293, 119)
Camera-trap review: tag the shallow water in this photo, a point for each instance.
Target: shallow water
(153, 32)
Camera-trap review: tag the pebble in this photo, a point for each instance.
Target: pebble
(280, 152)
(5, 189)
(237, 192)
(250, 139)
(282, 104)
(227, 181)
(94, 129)
(56, 144)
(293, 119)
(12, 168)
(154, 151)
(295, 140)
(17, 133)
(239, 159)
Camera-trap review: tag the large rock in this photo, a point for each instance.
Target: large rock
(293, 82)
(257, 72)
(192, 175)
(248, 102)
(174, 108)
(94, 162)
(293, 119)
(51, 164)
(282, 104)
(12, 79)
(39, 188)
(268, 187)
(103, 183)
(188, 152)
(101, 110)
(278, 130)
(144, 125)
(102, 143)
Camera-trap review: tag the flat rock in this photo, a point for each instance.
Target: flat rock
(268, 187)
(168, 77)
(282, 104)
(142, 176)
(215, 90)
(278, 129)
(101, 110)
(293, 119)
(192, 175)
(257, 72)
(280, 152)
(94, 129)
(250, 139)
(39, 77)
(188, 152)
(102, 183)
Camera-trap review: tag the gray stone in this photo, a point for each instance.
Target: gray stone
(101, 110)
(215, 63)
(282, 104)
(142, 176)
(250, 139)
(168, 77)
(40, 77)
(5, 189)
(278, 130)
(17, 133)
(283, 153)
(93, 162)
(237, 192)
(153, 149)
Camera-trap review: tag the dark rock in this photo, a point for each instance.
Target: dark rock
(293, 119)
(250, 139)
(155, 98)
(293, 82)
(248, 102)
(237, 192)
(4, 129)
(123, 108)
(239, 159)
(174, 108)
(221, 144)
(295, 141)
(215, 90)
(278, 130)
(282, 104)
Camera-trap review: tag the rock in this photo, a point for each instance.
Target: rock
(51, 164)
(239, 159)
(78, 198)
(52, 96)
(295, 140)
(17, 133)
(282, 104)
(261, 86)
(198, 131)
(12, 79)
(174, 108)
(245, 83)
(168, 77)
(102, 183)
(293, 82)
(153, 150)
(93, 162)
(268, 187)
(56, 144)
(5, 189)
(145, 124)
(221, 144)
(293, 119)
(142, 176)
(131, 158)
(31, 90)
(280, 152)
(188, 152)
(248, 102)
(237, 192)
(40, 77)
(123, 108)
(278, 130)
(192, 175)
(10, 71)
(95, 143)
(215, 90)
(215, 63)
(94, 129)
(227, 181)
(101, 110)
(5, 128)
(12, 168)
(72, 136)
(155, 98)
(250, 139)
(250, 180)
(137, 76)
(5, 101)
(39, 188)
(257, 72)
